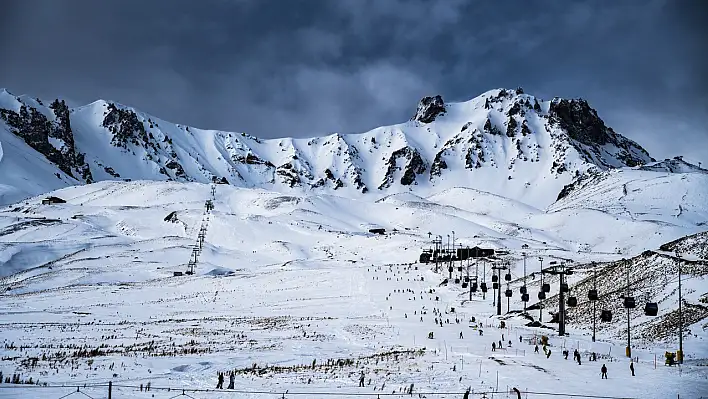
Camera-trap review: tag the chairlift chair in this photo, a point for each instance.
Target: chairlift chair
(546, 287)
(564, 287)
(474, 287)
(507, 277)
(508, 293)
(592, 295)
(495, 278)
(523, 290)
(525, 297)
(541, 295)
(572, 301)
(457, 281)
(495, 286)
(629, 302)
(467, 279)
(606, 316)
(651, 309)
(483, 287)
(465, 284)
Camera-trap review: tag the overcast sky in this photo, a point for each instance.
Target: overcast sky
(303, 67)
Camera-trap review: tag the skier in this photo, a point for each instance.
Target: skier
(494, 346)
(535, 349)
(548, 354)
(565, 354)
(631, 367)
(220, 383)
(500, 344)
(460, 334)
(361, 379)
(232, 378)
(604, 372)
(521, 339)
(502, 337)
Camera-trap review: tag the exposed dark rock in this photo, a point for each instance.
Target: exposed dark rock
(525, 128)
(511, 127)
(465, 126)
(414, 166)
(174, 165)
(216, 180)
(111, 172)
(490, 128)
(429, 108)
(536, 105)
(438, 164)
(125, 126)
(172, 217)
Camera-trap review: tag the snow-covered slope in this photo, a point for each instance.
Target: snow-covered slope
(503, 142)
(285, 279)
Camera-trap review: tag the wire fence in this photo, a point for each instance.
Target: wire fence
(120, 391)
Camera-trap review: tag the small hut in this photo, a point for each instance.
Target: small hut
(52, 201)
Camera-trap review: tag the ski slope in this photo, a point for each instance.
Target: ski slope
(285, 279)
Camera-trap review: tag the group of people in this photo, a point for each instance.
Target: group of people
(220, 380)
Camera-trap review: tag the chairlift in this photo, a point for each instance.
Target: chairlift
(606, 316)
(464, 284)
(592, 295)
(495, 286)
(523, 290)
(459, 268)
(651, 309)
(564, 287)
(508, 293)
(572, 301)
(546, 287)
(474, 287)
(467, 279)
(495, 278)
(541, 295)
(483, 287)
(524, 297)
(629, 302)
(457, 281)
(507, 277)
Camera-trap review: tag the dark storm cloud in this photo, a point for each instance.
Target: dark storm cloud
(299, 67)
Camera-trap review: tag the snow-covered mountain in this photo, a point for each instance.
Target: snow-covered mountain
(504, 141)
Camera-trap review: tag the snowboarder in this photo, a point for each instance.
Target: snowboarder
(361, 380)
(232, 378)
(604, 372)
(220, 383)
(494, 346)
(481, 332)
(631, 367)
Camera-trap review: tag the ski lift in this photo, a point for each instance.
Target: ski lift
(483, 287)
(592, 295)
(541, 295)
(457, 281)
(495, 286)
(629, 302)
(474, 287)
(651, 309)
(467, 279)
(459, 268)
(464, 284)
(564, 287)
(606, 316)
(495, 278)
(508, 293)
(523, 289)
(572, 301)
(525, 297)
(507, 277)
(546, 287)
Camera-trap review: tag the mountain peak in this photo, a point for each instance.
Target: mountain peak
(429, 108)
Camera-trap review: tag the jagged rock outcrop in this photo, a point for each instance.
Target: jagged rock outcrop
(415, 165)
(37, 130)
(583, 125)
(429, 108)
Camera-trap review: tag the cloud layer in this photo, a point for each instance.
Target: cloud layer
(305, 67)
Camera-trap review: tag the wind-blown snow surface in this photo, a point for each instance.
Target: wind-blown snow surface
(287, 279)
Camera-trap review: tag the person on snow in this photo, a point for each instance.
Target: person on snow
(500, 344)
(535, 349)
(220, 381)
(460, 334)
(631, 367)
(494, 346)
(548, 354)
(232, 378)
(481, 332)
(565, 354)
(502, 337)
(361, 380)
(603, 370)
(521, 339)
